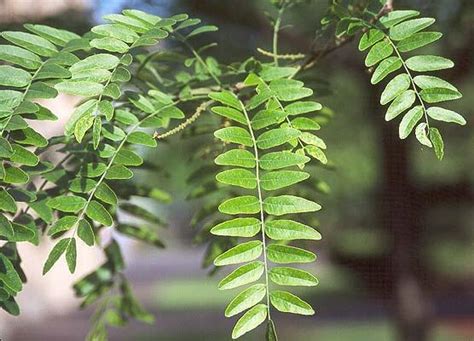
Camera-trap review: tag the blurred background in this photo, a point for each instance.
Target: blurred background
(397, 254)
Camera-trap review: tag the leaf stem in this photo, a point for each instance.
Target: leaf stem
(260, 200)
(276, 29)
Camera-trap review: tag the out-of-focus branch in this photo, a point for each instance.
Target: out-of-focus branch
(316, 54)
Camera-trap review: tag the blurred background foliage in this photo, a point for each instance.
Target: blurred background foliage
(389, 204)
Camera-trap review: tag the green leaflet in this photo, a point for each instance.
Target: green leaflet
(422, 135)
(236, 157)
(408, 28)
(428, 63)
(238, 177)
(245, 274)
(14, 77)
(277, 137)
(394, 88)
(400, 104)
(409, 121)
(238, 227)
(250, 320)
(283, 254)
(55, 253)
(71, 255)
(438, 144)
(266, 117)
(234, 135)
(287, 204)
(230, 113)
(292, 277)
(241, 253)
(386, 67)
(31, 42)
(85, 232)
(277, 160)
(69, 203)
(445, 115)
(63, 224)
(418, 40)
(97, 212)
(246, 299)
(378, 52)
(395, 17)
(290, 230)
(302, 107)
(289, 303)
(8, 275)
(246, 204)
(19, 56)
(369, 38)
(280, 179)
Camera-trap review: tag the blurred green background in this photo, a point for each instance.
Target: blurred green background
(398, 225)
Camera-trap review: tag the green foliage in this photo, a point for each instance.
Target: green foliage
(397, 33)
(264, 134)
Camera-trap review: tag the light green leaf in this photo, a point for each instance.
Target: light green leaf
(119, 172)
(110, 44)
(288, 204)
(31, 42)
(292, 277)
(270, 73)
(394, 17)
(246, 299)
(422, 136)
(71, 255)
(238, 177)
(290, 230)
(267, 117)
(23, 156)
(202, 29)
(82, 126)
(97, 61)
(97, 212)
(239, 227)
(369, 38)
(234, 135)
(400, 104)
(250, 320)
(106, 194)
(236, 157)
(276, 137)
(17, 55)
(230, 113)
(435, 95)
(6, 149)
(245, 274)
(8, 275)
(438, 143)
(247, 204)
(445, 115)
(67, 203)
(428, 63)
(142, 138)
(85, 232)
(85, 109)
(128, 158)
(395, 88)
(378, 52)
(241, 253)
(430, 82)
(288, 303)
(116, 31)
(227, 98)
(277, 160)
(289, 89)
(54, 35)
(386, 67)
(409, 121)
(279, 179)
(80, 88)
(418, 40)
(14, 175)
(14, 77)
(284, 254)
(410, 27)
(302, 107)
(55, 253)
(312, 139)
(7, 203)
(52, 71)
(63, 224)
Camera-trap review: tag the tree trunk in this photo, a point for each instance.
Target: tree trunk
(401, 216)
